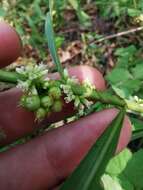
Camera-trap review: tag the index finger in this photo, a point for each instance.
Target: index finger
(10, 44)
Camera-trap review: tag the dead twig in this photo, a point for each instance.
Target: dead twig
(117, 35)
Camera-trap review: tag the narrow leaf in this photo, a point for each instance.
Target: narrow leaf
(51, 42)
(137, 134)
(88, 174)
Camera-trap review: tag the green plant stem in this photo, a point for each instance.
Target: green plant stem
(11, 77)
(105, 97)
(102, 96)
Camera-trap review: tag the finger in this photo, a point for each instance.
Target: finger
(16, 122)
(44, 162)
(10, 44)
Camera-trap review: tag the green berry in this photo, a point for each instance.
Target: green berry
(32, 102)
(54, 83)
(46, 84)
(46, 101)
(55, 92)
(57, 106)
(40, 113)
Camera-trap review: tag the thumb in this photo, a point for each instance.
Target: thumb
(10, 44)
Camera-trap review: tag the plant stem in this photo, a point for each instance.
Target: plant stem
(102, 96)
(11, 77)
(106, 97)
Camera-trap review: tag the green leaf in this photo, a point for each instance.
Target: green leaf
(137, 127)
(138, 71)
(137, 135)
(124, 182)
(110, 183)
(83, 17)
(119, 75)
(118, 163)
(51, 43)
(127, 88)
(133, 12)
(88, 173)
(137, 124)
(116, 178)
(126, 52)
(127, 168)
(134, 170)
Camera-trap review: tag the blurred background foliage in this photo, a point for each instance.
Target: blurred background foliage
(78, 25)
(93, 17)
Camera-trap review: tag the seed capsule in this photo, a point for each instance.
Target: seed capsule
(31, 103)
(40, 113)
(57, 106)
(55, 92)
(46, 101)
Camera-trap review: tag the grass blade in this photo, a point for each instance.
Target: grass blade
(88, 173)
(51, 42)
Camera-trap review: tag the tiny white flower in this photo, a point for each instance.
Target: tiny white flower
(87, 103)
(24, 85)
(20, 70)
(32, 72)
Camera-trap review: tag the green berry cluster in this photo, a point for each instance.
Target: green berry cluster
(45, 101)
(41, 95)
(44, 96)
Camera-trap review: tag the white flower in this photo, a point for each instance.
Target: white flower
(24, 85)
(32, 72)
(87, 103)
(20, 70)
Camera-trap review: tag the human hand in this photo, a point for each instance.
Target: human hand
(46, 161)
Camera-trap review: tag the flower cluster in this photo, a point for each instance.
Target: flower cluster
(77, 93)
(138, 100)
(43, 96)
(32, 73)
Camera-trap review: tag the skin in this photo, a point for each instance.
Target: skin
(10, 44)
(44, 162)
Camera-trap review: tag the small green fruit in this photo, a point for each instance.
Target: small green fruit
(40, 113)
(46, 101)
(31, 103)
(54, 83)
(57, 106)
(55, 92)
